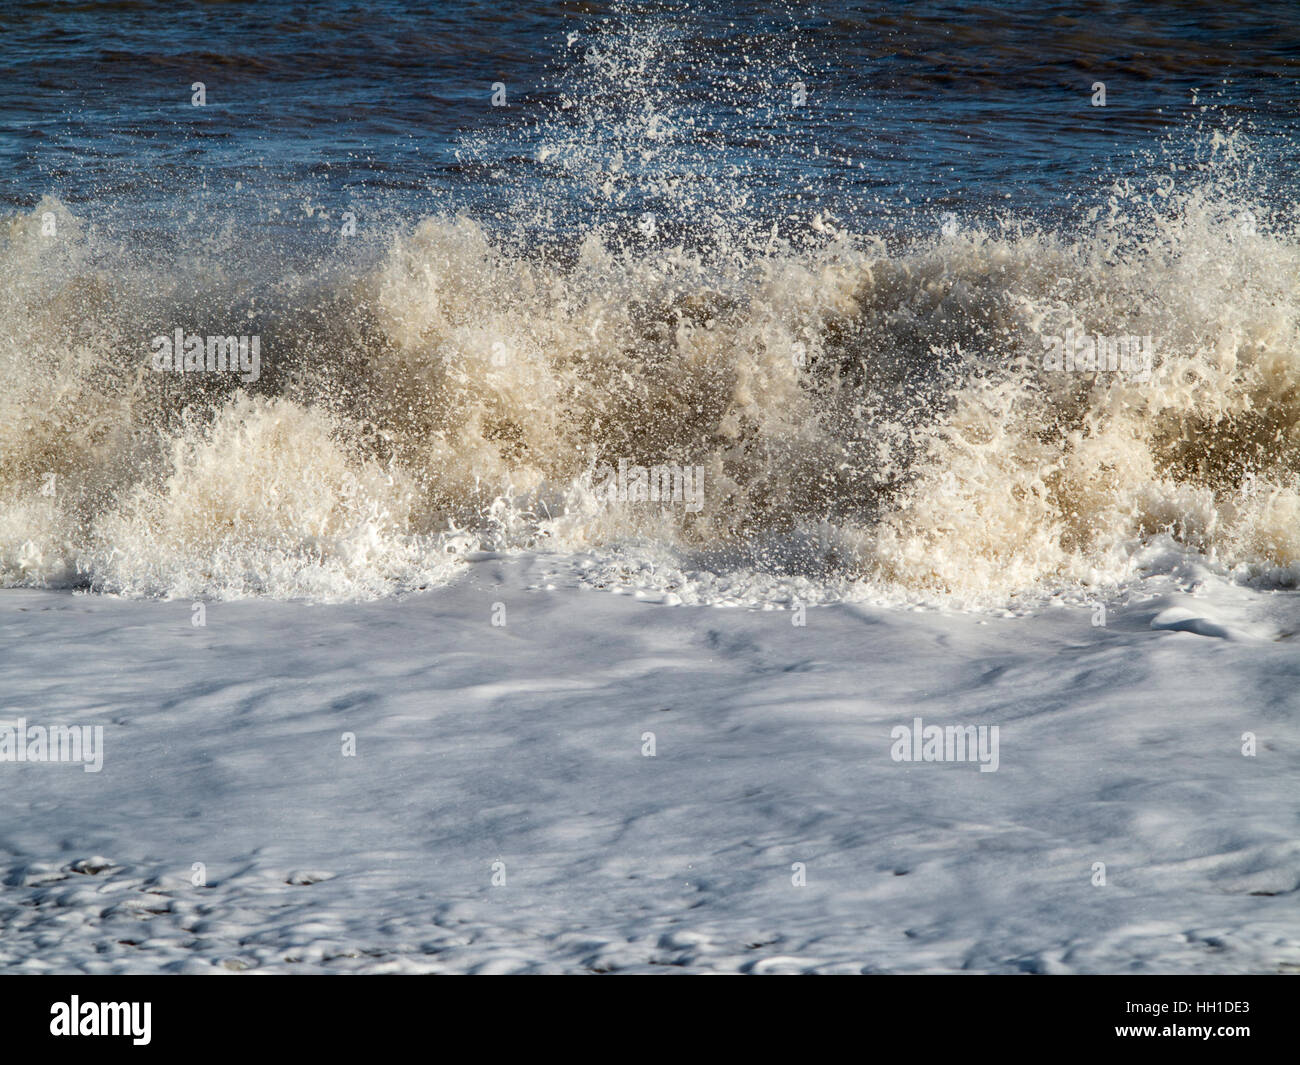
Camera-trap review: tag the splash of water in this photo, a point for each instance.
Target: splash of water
(864, 413)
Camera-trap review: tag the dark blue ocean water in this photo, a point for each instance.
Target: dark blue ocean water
(880, 113)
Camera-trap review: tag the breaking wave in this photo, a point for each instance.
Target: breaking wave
(863, 413)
